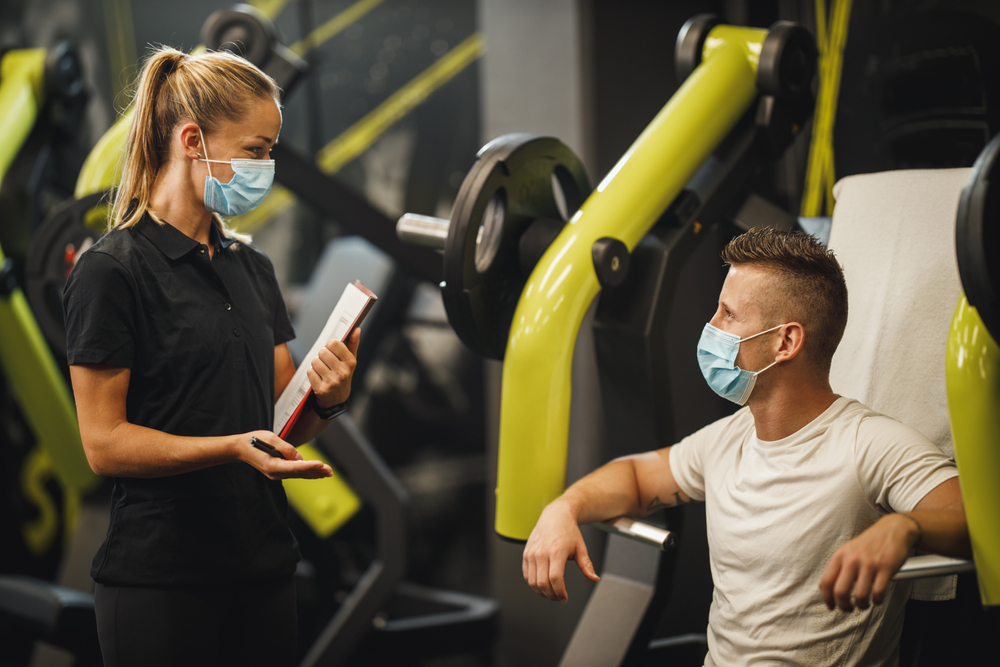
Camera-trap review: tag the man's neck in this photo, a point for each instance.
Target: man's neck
(788, 408)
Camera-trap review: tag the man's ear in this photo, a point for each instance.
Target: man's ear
(791, 337)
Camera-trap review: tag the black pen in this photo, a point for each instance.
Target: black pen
(264, 447)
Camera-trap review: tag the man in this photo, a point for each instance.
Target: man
(813, 501)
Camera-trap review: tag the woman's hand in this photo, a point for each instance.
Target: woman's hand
(292, 465)
(331, 371)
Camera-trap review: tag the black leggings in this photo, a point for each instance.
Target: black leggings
(149, 627)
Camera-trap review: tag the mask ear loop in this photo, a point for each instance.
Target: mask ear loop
(761, 334)
(205, 148)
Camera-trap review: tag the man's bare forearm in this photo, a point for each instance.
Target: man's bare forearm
(608, 492)
(943, 531)
(614, 490)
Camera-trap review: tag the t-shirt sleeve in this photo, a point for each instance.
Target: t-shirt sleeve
(283, 329)
(897, 465)
(687, 458)
(99, 308)
(282, 325)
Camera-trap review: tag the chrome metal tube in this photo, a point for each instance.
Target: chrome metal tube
(423, 230)
(653, 536)
(930, 565)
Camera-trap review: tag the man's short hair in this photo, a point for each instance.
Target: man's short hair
(811, 280)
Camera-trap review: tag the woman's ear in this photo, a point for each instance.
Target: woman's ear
(190, 140)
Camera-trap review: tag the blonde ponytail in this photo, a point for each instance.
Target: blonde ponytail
(174, 87)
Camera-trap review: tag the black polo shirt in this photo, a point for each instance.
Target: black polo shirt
(198, 335)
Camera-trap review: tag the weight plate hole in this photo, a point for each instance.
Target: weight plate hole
(490, 231)
(559, 195)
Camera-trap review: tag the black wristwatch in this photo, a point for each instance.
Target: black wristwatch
(328, 413)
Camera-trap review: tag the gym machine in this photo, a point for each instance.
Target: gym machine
(529, 247)
(41, 93)
(382, 617)
(522, 265)
(973, 366)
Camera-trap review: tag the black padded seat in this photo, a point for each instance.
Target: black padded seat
(51, 613)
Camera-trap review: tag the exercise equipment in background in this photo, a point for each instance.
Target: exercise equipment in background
(640, 240)
(973, 366)
(407, 620)
(41, 97)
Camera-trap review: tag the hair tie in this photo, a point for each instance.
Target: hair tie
(172, 63)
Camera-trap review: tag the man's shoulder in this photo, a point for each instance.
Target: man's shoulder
(870, 420)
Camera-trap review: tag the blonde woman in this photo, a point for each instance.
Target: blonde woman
(176, 343)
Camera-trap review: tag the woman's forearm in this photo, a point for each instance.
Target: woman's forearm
(128, 450)
(308, 426)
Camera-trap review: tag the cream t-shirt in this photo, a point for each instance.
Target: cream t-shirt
(777, 511)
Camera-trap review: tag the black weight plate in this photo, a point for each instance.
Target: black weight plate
(977, 237)
(516, 171)
(52, 253)
(787, 61)
(246, 31)
(690, 42)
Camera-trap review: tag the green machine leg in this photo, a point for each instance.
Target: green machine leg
(28, 365)
(973, 377)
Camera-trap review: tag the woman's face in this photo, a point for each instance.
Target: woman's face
(251, 137)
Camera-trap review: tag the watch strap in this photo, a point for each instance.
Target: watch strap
(328, 413)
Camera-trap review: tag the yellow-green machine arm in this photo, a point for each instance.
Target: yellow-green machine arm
(973, 366)
(22, 93)
(973, 377)
(535, 399)
(28, 363)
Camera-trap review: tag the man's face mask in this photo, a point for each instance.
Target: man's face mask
(717, 352)
(252, 180)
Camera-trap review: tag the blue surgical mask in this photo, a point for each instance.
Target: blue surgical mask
(251, 182)
(717, 352)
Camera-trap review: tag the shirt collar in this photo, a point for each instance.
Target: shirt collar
(174, 243)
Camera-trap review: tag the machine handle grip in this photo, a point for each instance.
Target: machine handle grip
(916, 567)
(653, 536)
(932, 565)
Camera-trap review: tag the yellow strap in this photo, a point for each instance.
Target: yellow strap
(363, 133)
(357, 138)
(270, 7)
(120, 31)
(334, 26)
(820, 171)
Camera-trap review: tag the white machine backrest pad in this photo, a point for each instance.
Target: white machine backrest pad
(894, 234)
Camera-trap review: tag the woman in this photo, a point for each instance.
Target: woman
(176, 342)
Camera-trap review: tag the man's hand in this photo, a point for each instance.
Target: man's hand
(555, 539)
(867, 563)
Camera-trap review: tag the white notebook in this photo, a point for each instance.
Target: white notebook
(350, 310)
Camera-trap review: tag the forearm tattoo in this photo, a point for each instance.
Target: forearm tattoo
(655, 505)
